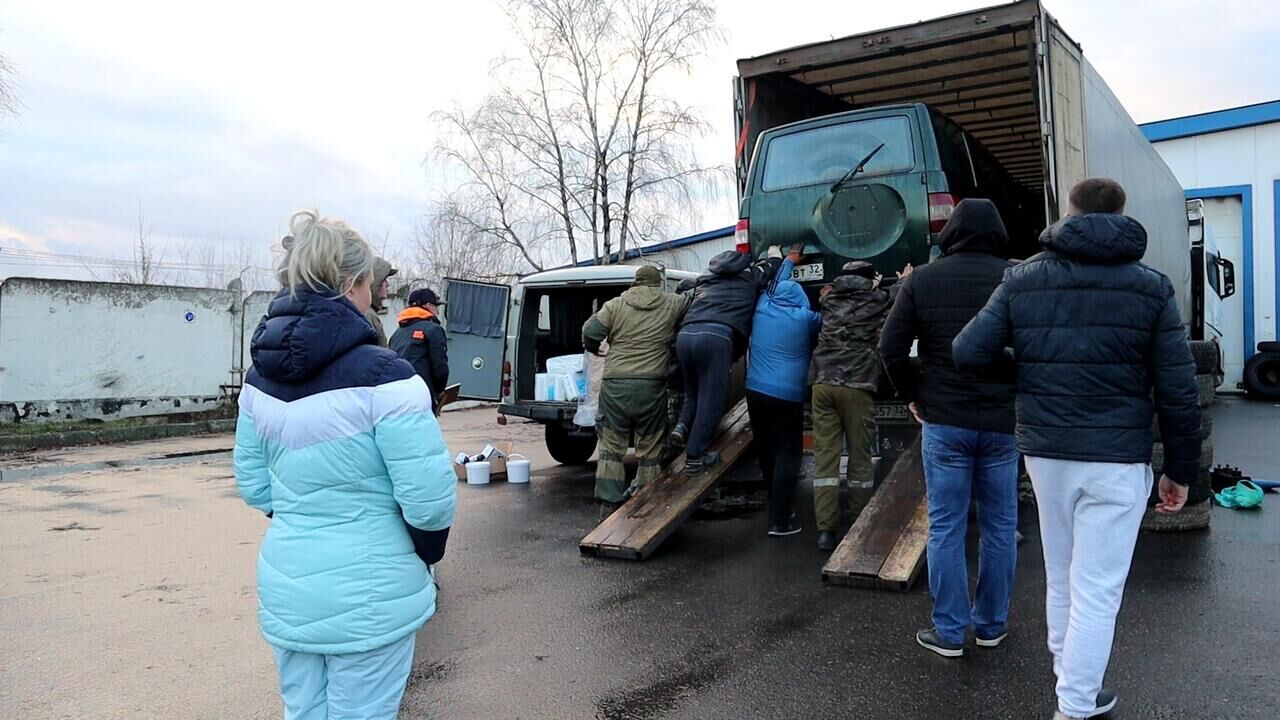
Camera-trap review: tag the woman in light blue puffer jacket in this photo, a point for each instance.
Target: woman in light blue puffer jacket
(337, 444)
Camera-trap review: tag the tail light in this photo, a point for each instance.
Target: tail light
(742, 236)
(506, 378)
(940, 207)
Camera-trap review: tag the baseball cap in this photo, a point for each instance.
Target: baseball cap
(424, 296)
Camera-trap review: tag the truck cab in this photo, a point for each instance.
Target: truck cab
(547, 312)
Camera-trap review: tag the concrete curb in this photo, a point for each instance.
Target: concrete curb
(107, 436)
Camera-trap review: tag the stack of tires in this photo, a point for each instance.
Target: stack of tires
(1195, 515)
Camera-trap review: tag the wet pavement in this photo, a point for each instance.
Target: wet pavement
(128, 593)
(723, 622)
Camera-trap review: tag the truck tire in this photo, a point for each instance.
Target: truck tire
(1192, 517)
(1206, 354)
(1206, 456)
(1209, 388)
(1206, 426)
(569, 448)
(1269, 346)
(1262, 376)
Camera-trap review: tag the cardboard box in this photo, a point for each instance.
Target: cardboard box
(496, 455)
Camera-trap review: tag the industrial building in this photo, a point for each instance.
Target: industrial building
(1231, 159)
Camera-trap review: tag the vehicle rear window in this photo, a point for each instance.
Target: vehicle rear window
(823, 154)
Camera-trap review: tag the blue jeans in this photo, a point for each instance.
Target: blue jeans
(959, 466)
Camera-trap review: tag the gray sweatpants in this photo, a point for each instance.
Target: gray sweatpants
(1090, 513)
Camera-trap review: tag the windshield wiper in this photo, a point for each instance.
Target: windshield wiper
(856, 169)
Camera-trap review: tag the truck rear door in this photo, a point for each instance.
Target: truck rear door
(1061, 102)
(476, 327)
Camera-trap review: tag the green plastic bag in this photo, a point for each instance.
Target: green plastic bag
(1242, 495)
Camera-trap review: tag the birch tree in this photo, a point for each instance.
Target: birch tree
(581, 151)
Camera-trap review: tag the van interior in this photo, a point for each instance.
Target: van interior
(551, 321)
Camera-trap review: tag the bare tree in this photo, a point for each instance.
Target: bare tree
(8, 88)
(448, 246)
(581, 151)
(148, 259)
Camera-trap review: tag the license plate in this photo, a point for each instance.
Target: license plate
(808, 273)
(894, 411)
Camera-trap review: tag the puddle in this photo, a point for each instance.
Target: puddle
(179, 458)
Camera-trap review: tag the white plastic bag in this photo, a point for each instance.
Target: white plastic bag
(565, 364)
(589, 403)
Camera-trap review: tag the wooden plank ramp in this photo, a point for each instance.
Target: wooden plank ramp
(885, 548)
(643, 522)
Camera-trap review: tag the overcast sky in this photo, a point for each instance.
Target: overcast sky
(220, 119)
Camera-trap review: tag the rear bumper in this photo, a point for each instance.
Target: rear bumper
(539, 412)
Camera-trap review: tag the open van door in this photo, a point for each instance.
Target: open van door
(476, 327)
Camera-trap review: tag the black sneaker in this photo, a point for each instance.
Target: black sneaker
(790, 527)
(931, 640)
(990, 642)
(699, 465)
(679, 435)
(1106, 702)
(826, 541)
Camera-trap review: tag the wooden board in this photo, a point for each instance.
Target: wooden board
(642, 523)
(885, 548)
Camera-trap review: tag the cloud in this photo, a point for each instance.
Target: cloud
(220, 121)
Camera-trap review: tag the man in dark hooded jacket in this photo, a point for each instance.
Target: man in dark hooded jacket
(967, 443)
(1099, 343)
(420, 339)
(712, 337)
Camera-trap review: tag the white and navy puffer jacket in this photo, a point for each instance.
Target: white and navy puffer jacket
(336, 442)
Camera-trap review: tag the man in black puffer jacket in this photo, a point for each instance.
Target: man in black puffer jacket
(713, 335)
(967, 441)
(1094, 333)
(421, 340)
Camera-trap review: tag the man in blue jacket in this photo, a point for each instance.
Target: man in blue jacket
(782, 336)
(1099, 344)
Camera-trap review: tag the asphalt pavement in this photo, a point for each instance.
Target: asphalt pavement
(128, 594)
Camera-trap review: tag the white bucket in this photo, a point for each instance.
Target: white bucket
(517, 470)
(477, 473)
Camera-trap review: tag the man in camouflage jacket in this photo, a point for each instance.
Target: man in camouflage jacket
(381, 271)
(845, 373)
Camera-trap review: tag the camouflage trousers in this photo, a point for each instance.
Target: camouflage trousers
(629, 408)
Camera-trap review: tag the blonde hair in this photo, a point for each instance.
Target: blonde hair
(323, 253)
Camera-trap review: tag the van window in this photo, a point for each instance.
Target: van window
(544, 313)
(824, 154)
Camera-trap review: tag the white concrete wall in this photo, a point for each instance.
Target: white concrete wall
(103, 348)
(1245, 156)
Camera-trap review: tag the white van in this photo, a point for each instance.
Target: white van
(546, 313)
